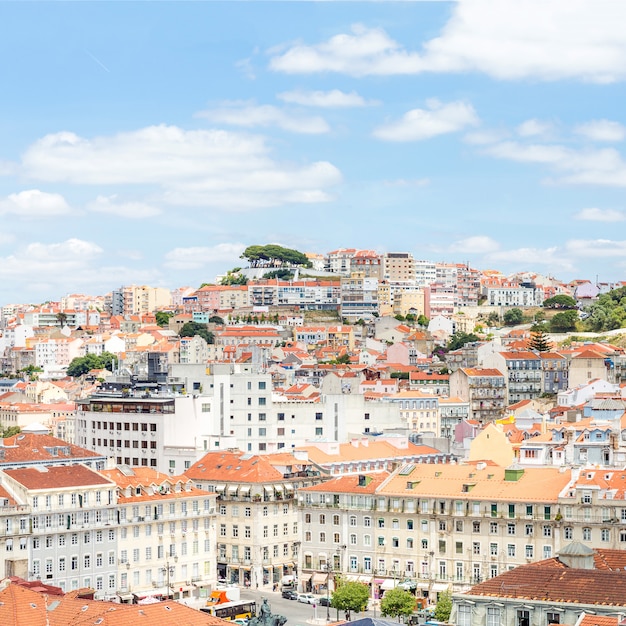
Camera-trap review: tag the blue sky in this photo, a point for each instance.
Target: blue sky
(151, 142)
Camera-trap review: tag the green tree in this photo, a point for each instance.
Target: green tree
(444, 606)
(458, 340)
(163, 318)
(397, 603)
(273, 255)
(233, 277)
(539, 341)
(422, 320)
(493, 318)
(350, 597)
(282, 274)
(191, 329)
(513, 317)
(559, 302)
(216, 319)
(9, 431)
(564, 322)
(81, 365)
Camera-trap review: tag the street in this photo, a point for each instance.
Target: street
(297, 614)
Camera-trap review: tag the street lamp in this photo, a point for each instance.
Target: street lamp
(168, 570)
(328, 571)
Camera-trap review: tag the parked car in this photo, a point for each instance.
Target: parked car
(290, 594)
(307, 598)
(324, 601)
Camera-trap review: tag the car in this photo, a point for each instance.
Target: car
(240, 621)
(307, 598)
(324, 601)
(289, 594)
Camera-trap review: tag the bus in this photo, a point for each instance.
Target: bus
(232, 610)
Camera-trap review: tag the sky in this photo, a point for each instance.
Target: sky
(151, 142)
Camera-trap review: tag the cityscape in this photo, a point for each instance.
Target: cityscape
(313, 313)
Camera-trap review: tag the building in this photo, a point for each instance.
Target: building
(359, 297)
(483, 388)
(70, 536)
(558, 590)
(258, 536)
(398, 267)
(166, 542)
(522, 370)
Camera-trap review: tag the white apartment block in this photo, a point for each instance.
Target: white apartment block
(72, 526)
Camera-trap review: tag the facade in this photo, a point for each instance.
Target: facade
(72, 540)
(399, 267)
(359, 296)
(523, 372)
(258, 536)
(483, 388)
(443, 526)
(452, 411)
(555, 372)
(166, 534)
(560, 590)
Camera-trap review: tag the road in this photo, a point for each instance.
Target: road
(297, 614)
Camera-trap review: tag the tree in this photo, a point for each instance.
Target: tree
(458, 340)
(539, 341)
(559, 302)
(564, 322)
(233, 277)
(282, 274)
(422, 320)
(82, 365)
(9, 431)
(493, 318)
(350, 597)
(444, 606)
(163, 318)
(273, 255)
(191, 329)
(397, 603)
(512, 317)
(216, 319)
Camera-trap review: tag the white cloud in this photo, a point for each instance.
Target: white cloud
(35, 203)
(483, 137)
(562, 39)
(601, 130)
(479, 244)
(214, 169)
(406, 182)
(130, 210)
(600, 215)
(325, 99)
(250, 116)
(533, 128)
(438, 119)
(595, 167)
(197, 257)
(596, 248)
(523, 258)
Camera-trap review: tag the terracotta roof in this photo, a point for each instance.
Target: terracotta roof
(488, 484)
(377, 450)
(482, 372)
(25, 447)
(550, 581)
(57, 476)
(20, 606)
(598, 620)
(234, 467)
(350, 484)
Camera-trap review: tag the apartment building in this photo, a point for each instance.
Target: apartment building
(359, 297)
(399, 267)
(72, 538)
(440, 525)
(522, 370)
(166, 534)
(339, 261)
(483, 388)
(259, 535)
(555, 372)
(419, 411)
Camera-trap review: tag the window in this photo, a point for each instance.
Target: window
(493, 528)
(475, 527)
(510, 528)
(529, 552)
(547, 531)
(568, 532)
(493, 549)
(553, 618)
(464, 615)
(528, 530)
(510, 549)
(476, 547)
(586, 534)
(493, 616)
(605, 534)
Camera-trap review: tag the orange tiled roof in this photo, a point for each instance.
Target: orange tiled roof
(350, 484)
(57, 476)
(233, 467)
(551, 581)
